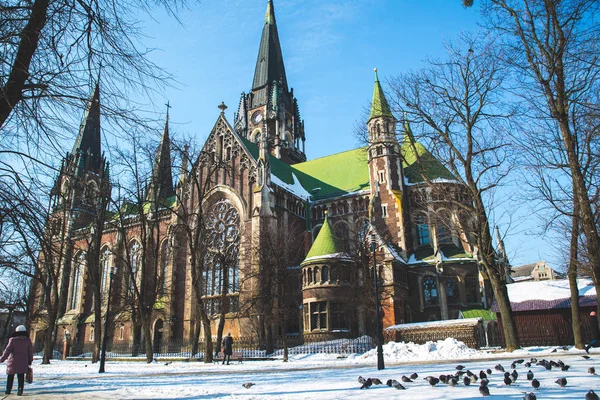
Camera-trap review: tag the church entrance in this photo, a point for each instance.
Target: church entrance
(158, 335)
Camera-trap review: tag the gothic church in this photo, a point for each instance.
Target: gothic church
(391, 190)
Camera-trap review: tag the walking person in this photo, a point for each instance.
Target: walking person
(19, 353)
(595, 342)
(227, 348)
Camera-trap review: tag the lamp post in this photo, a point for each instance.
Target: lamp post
(380, 363)
(113, 271)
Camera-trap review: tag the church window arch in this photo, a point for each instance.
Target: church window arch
(105, 265)
(164, 263)
(316, 272)
(310, 276)
(452, 290)
(222, 270)
(430, 292)
(325, 274)
(255, 138)
(76, 281)
(316, 231)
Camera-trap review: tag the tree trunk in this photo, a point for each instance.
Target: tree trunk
(98, 323)
(147, 327)
(12, 92)
(208, 352)
(572, 273)
(511, 337)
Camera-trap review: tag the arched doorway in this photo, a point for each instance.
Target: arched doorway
(158, 336)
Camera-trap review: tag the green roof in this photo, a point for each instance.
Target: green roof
(326, 243)
(348, 172)
(379, 105)
(484, 314)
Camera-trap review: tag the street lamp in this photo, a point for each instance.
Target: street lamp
(380, 363)
(113, 271)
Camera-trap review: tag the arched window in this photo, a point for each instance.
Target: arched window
(325, 274)
(310, 275)
(452, 290)
(257, 138)
(422, 230)
(443, 227)
(222, 261)
(76, 277)
(164, 262)
(430, 293)
(316, 274)
(134, 266)
(105, 265)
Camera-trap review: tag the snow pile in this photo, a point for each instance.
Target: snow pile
(447, 349)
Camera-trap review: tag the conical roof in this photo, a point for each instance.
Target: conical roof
(269, 64)
(162, 177)
(88, 140)
(326, 244)
(379, 105)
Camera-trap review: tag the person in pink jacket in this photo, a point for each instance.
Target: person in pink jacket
(19, 353)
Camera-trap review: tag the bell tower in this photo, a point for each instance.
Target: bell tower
(270, 109)
(385, 169)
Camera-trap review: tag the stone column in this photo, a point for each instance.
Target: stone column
(443, 299)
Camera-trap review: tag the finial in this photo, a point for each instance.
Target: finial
(376, 77)
(326, 212)
(222, 107)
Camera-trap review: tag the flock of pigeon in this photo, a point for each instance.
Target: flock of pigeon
(483, 378)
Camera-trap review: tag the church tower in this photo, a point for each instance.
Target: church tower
(385, 170)
(270, 109)
(84, 174)
(161, 182)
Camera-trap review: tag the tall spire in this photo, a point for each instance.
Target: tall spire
(88, 140)
(379, 105)
(269, 64)
(161, 186)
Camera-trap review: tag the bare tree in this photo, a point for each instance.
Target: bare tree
(457, 107)
(554, 47)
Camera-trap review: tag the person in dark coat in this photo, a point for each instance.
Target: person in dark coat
(595, 332)
(19, 353)
(227, 348)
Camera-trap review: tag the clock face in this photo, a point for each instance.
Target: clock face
(257, 117)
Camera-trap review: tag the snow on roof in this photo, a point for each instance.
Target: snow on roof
(434, 324)
(546, 295)
(295, 188)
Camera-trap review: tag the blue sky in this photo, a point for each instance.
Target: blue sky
(330, 49)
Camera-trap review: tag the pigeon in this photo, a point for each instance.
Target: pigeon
(586, 357)
(499, 368)
(453, 381)
(361, 380)
(508, 381)
(473, 378)
(432, 380)
(484, 390)
(414, 375)
(376, 381)
(368, 383)
(466, 381)
(514, 375)
(565, 348)
(533, 360)
(529, 375)
(167, 363)
(482, 375)
(484, 382)
(591, 395)
(460, 373)
(562, 382)
(248, 385)
(565, 367)
(519, 361)
(390, 382)
(488, 371)
(513, 365)
(556, 364)
(444, 378)
(527, 364)
(553, 351)
(406, 379)
(460, 367)
(397, 385)
(592, 371)
(535, 383)
(529, 396)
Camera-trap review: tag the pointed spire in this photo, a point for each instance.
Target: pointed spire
(379, 105)
(88, 140)
(269, 64)
(161, 185)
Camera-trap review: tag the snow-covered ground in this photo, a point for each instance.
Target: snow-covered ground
(315, 376)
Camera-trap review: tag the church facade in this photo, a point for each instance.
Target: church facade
(251, 177)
